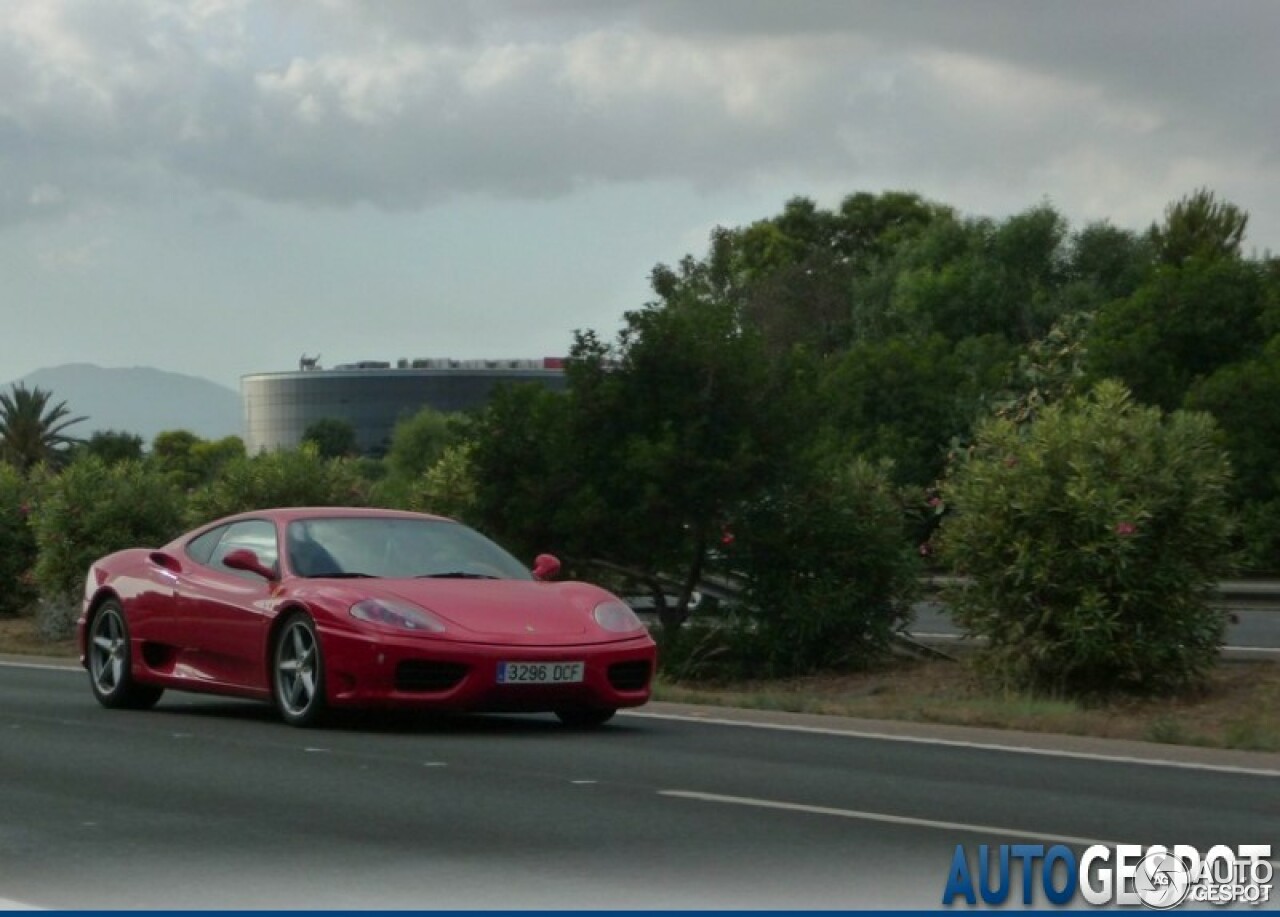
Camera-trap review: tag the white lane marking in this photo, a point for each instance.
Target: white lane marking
(583, 782)
(883, 818)
(317, 751)
(434, 764)
(958, 743)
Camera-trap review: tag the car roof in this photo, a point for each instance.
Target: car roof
(290, 513)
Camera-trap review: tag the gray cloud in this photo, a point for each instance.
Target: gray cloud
(403, 104)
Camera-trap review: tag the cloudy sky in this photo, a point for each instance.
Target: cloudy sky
(218, 186)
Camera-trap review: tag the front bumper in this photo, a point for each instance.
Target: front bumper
(367, 671)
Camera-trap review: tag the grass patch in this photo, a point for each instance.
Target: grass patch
(948, 693)
(20, 637)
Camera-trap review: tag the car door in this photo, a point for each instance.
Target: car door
(226, 612)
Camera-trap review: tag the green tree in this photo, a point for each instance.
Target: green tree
(526, 480)
(1244, 398)
(32, 431)
(660, 437)
(969, 278)
(1199, 226)
(448, 488)
(673, 427)
(903, 398)
(172, 452)
(418, 442)
(1106, 263)
(332, 437)
(113, 446)
(792, 274)
(191, 460)
(286, 477)
(1092, 540)
(210, 456)
(1183, 324)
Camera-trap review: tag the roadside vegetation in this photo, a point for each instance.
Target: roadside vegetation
(804, 419)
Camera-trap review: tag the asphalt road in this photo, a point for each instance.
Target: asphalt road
(204, 802)
(1251, 632)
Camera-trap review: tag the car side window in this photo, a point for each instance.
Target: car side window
(200, 548)
(258, 535)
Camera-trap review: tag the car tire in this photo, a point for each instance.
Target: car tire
(585, 717)
(109, 658)
(297, 672)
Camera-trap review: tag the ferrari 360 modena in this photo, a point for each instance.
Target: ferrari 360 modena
(322, 608)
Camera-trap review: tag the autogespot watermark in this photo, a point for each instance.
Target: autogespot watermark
(1126, 874)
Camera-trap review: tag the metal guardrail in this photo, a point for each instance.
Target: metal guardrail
(1251, 594)
(1256, 595)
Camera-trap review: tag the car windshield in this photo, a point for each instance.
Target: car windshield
(396, 548)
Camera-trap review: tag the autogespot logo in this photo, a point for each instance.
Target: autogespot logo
(1161, 880)
(1125, 874)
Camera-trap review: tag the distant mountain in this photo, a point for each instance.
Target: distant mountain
(140, 400)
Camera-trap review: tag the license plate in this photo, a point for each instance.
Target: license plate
(539, 673)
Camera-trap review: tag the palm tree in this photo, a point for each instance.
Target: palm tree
(31, 431)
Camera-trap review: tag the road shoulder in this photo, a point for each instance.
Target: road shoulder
(1264, 763)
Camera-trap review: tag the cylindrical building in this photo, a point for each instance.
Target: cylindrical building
(374, 396)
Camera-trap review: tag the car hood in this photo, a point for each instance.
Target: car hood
(525, 610)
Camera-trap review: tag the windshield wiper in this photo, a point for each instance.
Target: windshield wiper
(343, 575)
(455, 574)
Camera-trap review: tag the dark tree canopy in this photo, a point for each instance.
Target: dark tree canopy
(114, 446)
(333, 438)
(1199, 226)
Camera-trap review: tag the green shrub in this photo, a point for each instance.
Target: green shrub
(1259, 536)
(448, 487)
(288, 477)
(828, 573)
(1092, 540)
(91, 509)
(17, 543)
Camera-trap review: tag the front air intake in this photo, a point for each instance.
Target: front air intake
(629, 676)
(424, 676)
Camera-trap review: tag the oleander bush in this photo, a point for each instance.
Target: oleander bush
(17, 543)
(287, 477)
(828, 573)
(1091, 540)
(90, 509)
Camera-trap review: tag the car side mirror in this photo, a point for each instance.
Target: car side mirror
(546, 567)
(244, 559)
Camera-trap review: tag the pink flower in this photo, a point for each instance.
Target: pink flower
(1125, 529)
(926, 549)
(935, 501)
(25, 509)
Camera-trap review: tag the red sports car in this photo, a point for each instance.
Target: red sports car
(320, 608)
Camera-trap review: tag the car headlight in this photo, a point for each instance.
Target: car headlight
(617, 617)
(396, 614)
